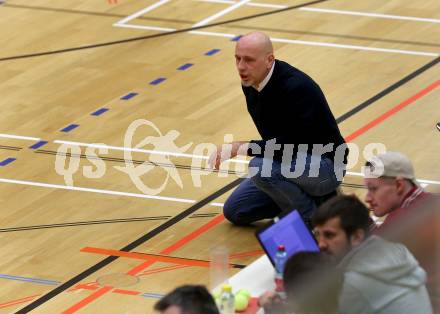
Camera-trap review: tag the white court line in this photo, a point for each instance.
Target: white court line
(153, 28)
(221, 13)
(213, 34)
(19, 137)
(141, 12)
(109, 192)
(355, 47)
(378, 15)
(251, 4)
(217, 204)
(333, 11)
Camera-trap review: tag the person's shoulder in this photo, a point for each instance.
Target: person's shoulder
(291, 77)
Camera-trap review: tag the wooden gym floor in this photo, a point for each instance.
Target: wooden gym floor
(76, 231)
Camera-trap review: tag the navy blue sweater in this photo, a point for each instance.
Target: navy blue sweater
(292, 109)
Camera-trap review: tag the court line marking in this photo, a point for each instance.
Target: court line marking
(146, 264)
(233, 7)
(99, 191)
(393, 111)
(32, 280)
(144, 238)
(143, 11)
(20, 137)
(147, 257)
(123, 23)
(18, 301)
(368, 14)
(333, 11)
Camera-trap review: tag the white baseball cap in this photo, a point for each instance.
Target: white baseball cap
(390, 164)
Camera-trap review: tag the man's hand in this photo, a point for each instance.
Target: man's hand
(268, 299)
(227, 151)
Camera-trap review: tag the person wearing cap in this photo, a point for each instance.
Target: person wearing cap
(392, 188)
(413, 215)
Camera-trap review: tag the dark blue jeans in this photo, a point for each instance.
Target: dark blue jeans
(272, 190)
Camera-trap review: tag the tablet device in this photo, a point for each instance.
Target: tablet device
(290, 231)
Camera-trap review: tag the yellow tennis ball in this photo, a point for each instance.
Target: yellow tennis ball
(217, 294)
(241, 302)
(244, 292)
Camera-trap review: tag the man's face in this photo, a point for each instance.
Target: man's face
(253, 64)
(173, 309)
(383, 196)
(332, 239)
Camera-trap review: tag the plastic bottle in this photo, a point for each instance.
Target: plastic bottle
(280, 261)
(227, 300)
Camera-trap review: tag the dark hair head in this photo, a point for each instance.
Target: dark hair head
(312, 283)
(352, 212)
(192, 299)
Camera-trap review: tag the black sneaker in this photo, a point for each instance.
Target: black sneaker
(438, 126)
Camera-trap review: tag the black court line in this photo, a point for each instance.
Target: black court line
(206, 215)
(81, 12)
(169, 223)
(10, 147)
(138, 162)
(100, 222)
(388, 90)
(84, 223)
(133, 39)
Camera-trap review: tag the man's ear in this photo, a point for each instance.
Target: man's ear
(271, 58)
(401, 185)
(357, 237)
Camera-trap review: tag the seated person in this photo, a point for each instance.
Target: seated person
(413, 216)
(188, 299)
(378, 276)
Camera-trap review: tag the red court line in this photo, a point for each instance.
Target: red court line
(85, 286)
(134, 271)
(137, 269)
(218, 219)
(392, 111)
(128, 292)
(148, 257)
(18, 301)
(87, 300)
(162, 269)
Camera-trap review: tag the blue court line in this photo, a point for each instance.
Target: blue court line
(33, 280)
(185, 66)
(236, 38)
(7, 161)
(158, 81)
(99, 112)
(38, 144)
(128, 96)
(70, 128)
(212, 52)
(152, 295)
